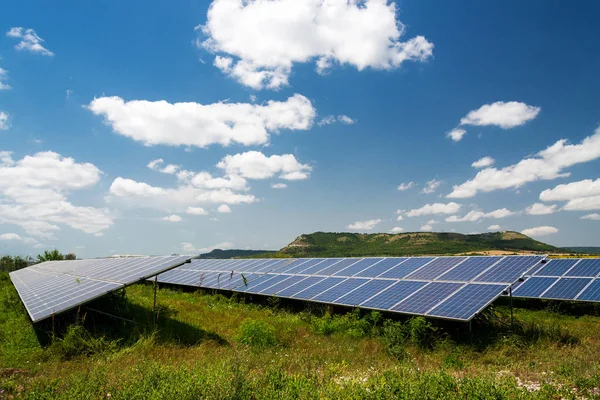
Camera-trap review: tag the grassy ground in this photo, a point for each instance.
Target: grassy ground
(215, 347)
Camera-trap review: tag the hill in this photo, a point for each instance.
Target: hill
(324, 244)
(218, 253)
(584, 250)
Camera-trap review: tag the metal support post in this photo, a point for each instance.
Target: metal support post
(512, 316)
(154, 310)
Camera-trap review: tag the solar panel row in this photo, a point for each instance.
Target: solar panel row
(444, 287)
(56, 286)
(564, 279)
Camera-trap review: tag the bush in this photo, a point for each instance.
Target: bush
(421, 332)
(257, 334)
(351, 324)
(394, 338)
(79, 342)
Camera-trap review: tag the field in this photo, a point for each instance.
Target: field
(211, 346)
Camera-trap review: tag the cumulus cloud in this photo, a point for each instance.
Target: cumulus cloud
(194, 124)
(548, 164)
(364, 225)
(331, 119)
(10, 236)
(255, 165)
(456, 134)
(172, 218)
(540, 231)
(434, 209)
(592, 217)
(426, 228)
(28, 41)
(156, 165)
(405, 186)
(279, 186)
(473, 216)
(483, 162)
(540, 209)
(431, 186)
(583, 204)
(344, 119)
(494, 228)
(196, 211)
(190, 248)
(506, 115)
(396, 229)
(3, 76)
(573, 190)
(330, 32)
(432, 222)
(3, 120)
(33, 194)
(224, 208)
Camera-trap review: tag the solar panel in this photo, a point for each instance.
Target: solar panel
(442, 287)
(585, 267)
(566, 288)
(53, 287)
(534, 287)
(556, 267)
(592, 292)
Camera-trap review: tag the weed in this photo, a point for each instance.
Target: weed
(79, 342)
(256, 333)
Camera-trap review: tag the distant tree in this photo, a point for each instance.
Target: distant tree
(19, 262)
(7, 264)
(53, 255)
(71, 256)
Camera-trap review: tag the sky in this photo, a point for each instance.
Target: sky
(178, 127)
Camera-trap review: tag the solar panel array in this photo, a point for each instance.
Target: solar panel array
(52, 287)
(563, 279)
(444, 287)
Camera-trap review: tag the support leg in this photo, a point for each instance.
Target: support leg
(512, 317)
(154, 315)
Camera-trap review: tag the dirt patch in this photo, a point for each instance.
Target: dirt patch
(8, 372)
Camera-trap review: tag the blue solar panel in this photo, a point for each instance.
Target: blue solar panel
(592, 292)
(380, 267)
(305, 265)
(274, 289)
(330, 295)
(291, 290)
(566, 288)
(426, 298)
(317, 288)
(533, 287)
(586, 267)
(291, 265)
(357, 267)
(436, 268)
(556, 267)
(469, 269)
(467, 301)
(393, 295)
(337, 266)
(408, 266)
(264, 284)
(509, 269)
(320, 266)
(365, 292)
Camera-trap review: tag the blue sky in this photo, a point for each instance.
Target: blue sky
(340, 102)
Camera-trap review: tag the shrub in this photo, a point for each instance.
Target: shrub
(79, 342)
(256, 333)
(421, 332)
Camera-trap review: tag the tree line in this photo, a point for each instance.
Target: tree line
(13, 263)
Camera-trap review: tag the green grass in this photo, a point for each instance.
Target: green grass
(217, 347)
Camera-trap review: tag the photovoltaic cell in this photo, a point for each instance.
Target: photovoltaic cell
(337, 266)
(509, 269)
(291, 290)
(364, 292)
(380, 267)
(589, 267)
(592, 292)
(317, 288)
(566, 288)
(469, 269)
(357, 267)
(339, 290)
(467, 301)
(408, 266)
(426, 298)
(289, 281)
(389, 297)
(320, 266)
(533, 287)
(309, 263)
(436, 268)
(556, 267)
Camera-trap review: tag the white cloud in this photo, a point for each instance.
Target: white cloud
(172, 218)
(194, 124)
(156, 165)
(3, 120)
(503, 114)
(361, 34)
(190, 248)
(326, 120)
(540, 209)
(432, 222)
(583, 204)
(364, 225)
(196, 211)
(69, 92)
(592, 217)
(255, 165)
(399, 218)
(206, 181)
(3, 76)
(29, 41)
(331, 119)
(405, 186)
(540, 231)
(483, 162)
(473, 216)
(573, 190)
(344, 119)
(426, 228)
(433, 209)
(456, 134)
(547, 165)
(396, 229)
(431, 186)
(33, 194)
(10, 236)
(279, 186)
(494, 228)
(224, 208)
